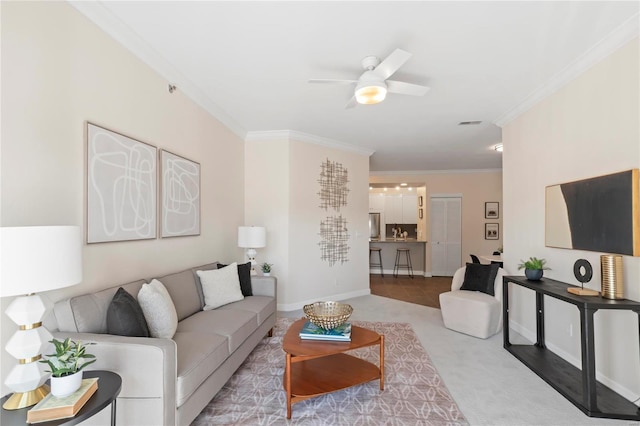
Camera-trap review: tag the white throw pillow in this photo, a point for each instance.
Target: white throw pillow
(158, 310)
(220, 286)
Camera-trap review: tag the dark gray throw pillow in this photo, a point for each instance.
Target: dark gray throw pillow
(125, 317)
(480, 277)
(244, 274)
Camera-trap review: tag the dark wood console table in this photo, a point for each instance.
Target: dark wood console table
(578, 386)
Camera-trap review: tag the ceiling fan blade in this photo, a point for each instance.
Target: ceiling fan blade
(406, 88)
(391, 63)
(352, 103)
(331, 80)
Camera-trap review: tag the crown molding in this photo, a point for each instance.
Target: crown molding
(431, 172)
(288, 135)
(97, 13)
(617, 38)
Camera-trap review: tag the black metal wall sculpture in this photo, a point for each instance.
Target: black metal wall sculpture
(334, 235)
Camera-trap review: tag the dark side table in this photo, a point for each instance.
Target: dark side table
(109, 385)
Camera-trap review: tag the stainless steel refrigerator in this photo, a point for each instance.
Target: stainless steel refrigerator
(374, 226)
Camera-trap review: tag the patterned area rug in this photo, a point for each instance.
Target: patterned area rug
(414, 393)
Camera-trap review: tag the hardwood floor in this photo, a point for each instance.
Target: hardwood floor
(419, 290)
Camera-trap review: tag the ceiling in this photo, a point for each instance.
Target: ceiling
(248, 63)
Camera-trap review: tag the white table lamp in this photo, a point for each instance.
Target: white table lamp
(34, 259)
(251, 238)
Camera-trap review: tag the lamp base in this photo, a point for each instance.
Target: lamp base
(582, 291)
(26, 399)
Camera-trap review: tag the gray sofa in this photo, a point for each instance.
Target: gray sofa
(170, 381)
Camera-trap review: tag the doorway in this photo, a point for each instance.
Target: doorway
(446, 235)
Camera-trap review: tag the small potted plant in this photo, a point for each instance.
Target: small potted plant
(66, 366)
(533, 268)
(266, 269)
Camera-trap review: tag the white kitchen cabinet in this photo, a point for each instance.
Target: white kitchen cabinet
(376, 203)
(409, 209)
(393, 209)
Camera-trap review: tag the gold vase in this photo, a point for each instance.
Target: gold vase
(612, 282)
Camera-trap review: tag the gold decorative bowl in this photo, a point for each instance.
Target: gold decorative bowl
(328, 315)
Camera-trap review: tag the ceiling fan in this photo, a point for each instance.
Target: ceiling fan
(372, 86)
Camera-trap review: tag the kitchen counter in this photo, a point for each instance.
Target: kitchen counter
(388, 248)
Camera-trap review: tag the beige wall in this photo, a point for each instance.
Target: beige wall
(475, 189)
(588, 128)
(58, 71)
(290, 170)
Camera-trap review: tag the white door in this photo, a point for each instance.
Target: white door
(446, 235)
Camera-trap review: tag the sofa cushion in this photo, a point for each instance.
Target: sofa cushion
(244, 274)
(207, 267)
(88, 313)
(262, 306)
(125, 317)
(158, 309)
(198, 355)
(235, 325)
(220, 286)
(480, 277)
(183, 290)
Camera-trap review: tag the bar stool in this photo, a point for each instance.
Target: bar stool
(371, 264)
(407, 262)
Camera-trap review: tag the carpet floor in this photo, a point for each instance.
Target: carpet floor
(414, 392)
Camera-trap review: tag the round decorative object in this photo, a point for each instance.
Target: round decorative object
(533, 274)
(66, 385)
(582, 270)
(328, 315)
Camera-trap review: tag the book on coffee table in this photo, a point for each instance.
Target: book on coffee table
(54, 408)
(342, 333)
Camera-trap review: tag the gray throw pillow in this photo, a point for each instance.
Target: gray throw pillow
(480, 277)
(125, 317)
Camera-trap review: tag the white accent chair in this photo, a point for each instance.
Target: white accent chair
(472, 312)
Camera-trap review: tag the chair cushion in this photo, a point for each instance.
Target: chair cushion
(234, 324)
(125, 317)
(262, 306)
(198, 355)
(480, 277)
(183, 290)
(88, 313)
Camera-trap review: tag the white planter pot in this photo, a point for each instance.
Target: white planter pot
(66, 385)
(266, 274)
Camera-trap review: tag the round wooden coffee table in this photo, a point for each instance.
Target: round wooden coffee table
(314, 368)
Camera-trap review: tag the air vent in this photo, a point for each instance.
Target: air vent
(469, 123)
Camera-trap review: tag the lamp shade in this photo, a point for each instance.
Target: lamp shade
(39, 258)
(252, 236)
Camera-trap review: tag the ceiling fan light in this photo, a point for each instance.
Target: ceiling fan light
(371, 93)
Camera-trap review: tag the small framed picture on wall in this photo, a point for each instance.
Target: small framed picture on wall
(491, 231)
(492, 210)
